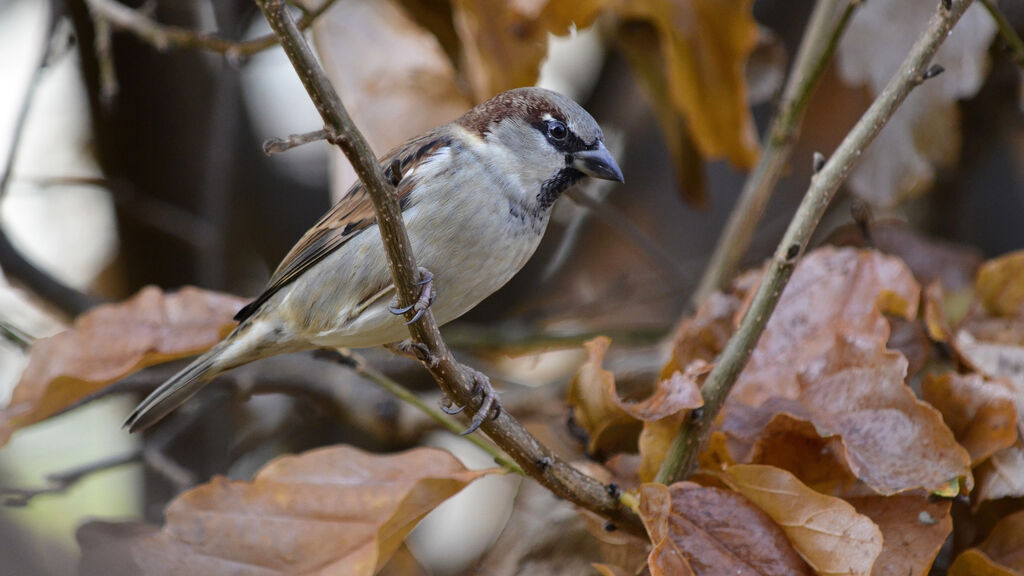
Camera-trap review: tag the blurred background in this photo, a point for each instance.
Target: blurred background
(131, 160)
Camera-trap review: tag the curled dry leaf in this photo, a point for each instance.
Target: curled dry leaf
(606, 418)
(981, 413)
(700, 530)
(925, 131)
(1001, 554)
(826, 531)
(913, 530)
(335, 510)
(990, 340)
(703, 46)
(403, 86)
(504, 43)
(822, 359)
(110, 342)
(930, 259)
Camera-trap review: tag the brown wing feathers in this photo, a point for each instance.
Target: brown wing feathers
(345, 220)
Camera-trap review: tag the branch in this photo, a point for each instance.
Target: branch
(1006, 31)
(455, 380)
(163, 36)
(682, 457)
(816, 49)
(358, 365)
(62, 481)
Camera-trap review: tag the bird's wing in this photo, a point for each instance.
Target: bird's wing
(350, 216)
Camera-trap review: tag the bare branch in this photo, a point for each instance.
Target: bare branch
(454, 379)
(682, 457)
(277, 145)
(1006, 31)
(62, 481)
(164, 36)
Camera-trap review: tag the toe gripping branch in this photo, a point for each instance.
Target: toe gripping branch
(421, 304)
(490, 404)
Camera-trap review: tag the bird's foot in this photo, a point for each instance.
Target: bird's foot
(421, 304)
(415, 350)
(489, 406)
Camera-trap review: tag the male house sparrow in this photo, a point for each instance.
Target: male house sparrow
(476, 195)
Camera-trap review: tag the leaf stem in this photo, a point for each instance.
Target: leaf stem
(682, 457)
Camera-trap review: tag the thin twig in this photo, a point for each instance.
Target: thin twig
(455, 380)
(277, 145)
(358, 365)
(164, 36)
(1006, 32)
(816, 49)
(682, 457)
(62, 481)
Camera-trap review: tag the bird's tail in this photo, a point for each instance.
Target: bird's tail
(245, 344)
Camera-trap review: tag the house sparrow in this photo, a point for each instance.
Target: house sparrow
(476, 195)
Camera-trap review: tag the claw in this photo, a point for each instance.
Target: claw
(489, 406)
(399, 311)
(452, 411)
(427, 277)
(419, 314)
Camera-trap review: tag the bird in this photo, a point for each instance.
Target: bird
(476, 195)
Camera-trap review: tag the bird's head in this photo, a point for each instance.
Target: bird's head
(547, 139)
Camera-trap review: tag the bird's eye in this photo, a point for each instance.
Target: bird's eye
(557, 130)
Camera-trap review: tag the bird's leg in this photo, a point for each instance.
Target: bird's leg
(423, 302)
(490, 404)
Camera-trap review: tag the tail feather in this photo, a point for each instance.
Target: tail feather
(177, 390)
(250, 341)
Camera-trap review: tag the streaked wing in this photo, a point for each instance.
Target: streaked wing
(345, 220)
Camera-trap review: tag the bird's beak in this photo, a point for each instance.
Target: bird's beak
(598, 163)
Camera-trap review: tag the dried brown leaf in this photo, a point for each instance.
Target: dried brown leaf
(1000, 285)
(913, 530)
(335, 510)
(606, 418)
(1002, 475)
(112, 341)
(981, 413)
(822, 359)
(704, 46)
(505, 42)
(1001, 554)
(826, 531)
(700, 530)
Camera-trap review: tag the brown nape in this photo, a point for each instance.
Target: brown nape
(530, 104)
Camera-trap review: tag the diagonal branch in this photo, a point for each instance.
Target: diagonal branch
(682, 457)
(454, 379)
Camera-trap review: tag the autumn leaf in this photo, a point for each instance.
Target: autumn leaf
(335, 510)
(704, 46)
(404, 86)
(504, 42)
(990, 340)
(981, 413)
(607, 418)
(701, 530)
(1001, 554)
(112, 341)
(925, 131)
(822, 359)
(826, 531)
(913, 527)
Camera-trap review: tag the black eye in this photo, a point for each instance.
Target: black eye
(557, 130)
